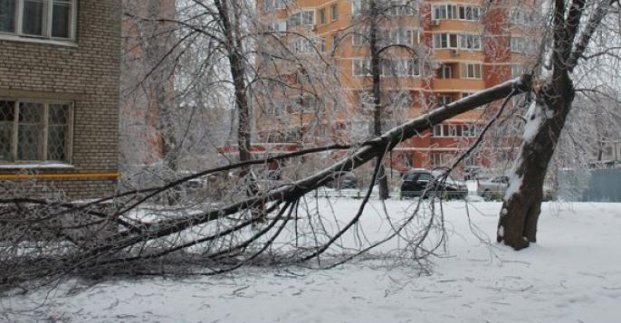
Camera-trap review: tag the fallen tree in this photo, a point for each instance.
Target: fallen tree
(223, 233)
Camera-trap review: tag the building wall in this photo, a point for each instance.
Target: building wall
(85, 72)
(494, 56)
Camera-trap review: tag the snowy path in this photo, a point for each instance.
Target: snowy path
(572, 275)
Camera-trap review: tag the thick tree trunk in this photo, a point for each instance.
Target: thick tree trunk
(519, 215)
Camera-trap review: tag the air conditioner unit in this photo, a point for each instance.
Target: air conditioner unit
(435, 22)
(454, 52)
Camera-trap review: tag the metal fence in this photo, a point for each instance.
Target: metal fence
(590, 185)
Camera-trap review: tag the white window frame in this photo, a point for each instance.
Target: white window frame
(451, 11)
(280, 26)
(271, 5)
(361, 67)
(44, 141)
(451, 40)
(298, 19)
(471, 71)
(48, 14)
(455, 130)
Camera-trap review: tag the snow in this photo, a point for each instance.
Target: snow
(573, 274)
(534, 118)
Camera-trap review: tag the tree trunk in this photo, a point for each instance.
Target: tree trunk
(519, 215)
(377, 103)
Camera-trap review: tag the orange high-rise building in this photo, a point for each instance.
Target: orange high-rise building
(456, 48)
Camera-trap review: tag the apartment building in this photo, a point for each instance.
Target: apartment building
(433, 52)
(59, 97)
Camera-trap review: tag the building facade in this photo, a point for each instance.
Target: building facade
(441, 51)
(59, 97)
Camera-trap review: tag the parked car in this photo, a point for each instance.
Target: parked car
(493, 188)
(424, 183)
(343, 180)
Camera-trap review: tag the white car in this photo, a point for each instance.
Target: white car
(493, 188)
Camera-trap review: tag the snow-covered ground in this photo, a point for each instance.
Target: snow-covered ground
(572, 275)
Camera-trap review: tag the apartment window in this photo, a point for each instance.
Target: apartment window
(445, 71)
(521, 45)
(322, 45)
(279, 26)
(43, 19)
(358, 7)
(455, 41)
(361, 67)
(468, 41)
(334, 12)
(306, 18)
(445, 41)
(517, 70)
(400, 68)
(399, 8)
(335, 41)
(303, 46)
(456, 12)
(471, 71)
(34, 131)
(271, 5)
(322, 16)
(520, 17)
(455, 130)
(359, 38)
(440, 159)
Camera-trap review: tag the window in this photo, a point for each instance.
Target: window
(456, 12)
(322, 16)
(445, 71)
(361, 67)
(455, 130)
(302, 45)
(440, 159)
(400, 68)
(386, 37)
(445, 41)
(43, 19)
(34, 131)
(279, 26)
(521, 45)
(358, 7)
(335, 41)
(398, 8)
(517, 70)
(322, 45)
(388, 67)
(471, 71)
(306, 18)
(455, 41)
(271, 5)
(468, 41)
(359, 38)
(521, 18)
(334, 12)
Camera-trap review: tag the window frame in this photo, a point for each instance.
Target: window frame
(13, 160)
(454, 11)
(46, 24)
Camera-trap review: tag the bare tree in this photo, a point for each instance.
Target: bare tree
(572, 26)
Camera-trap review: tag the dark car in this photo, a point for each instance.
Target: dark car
(343, 180)
(423, 183)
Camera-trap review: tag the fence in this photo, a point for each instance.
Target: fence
(590, 185)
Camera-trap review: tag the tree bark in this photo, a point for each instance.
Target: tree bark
(517, 226)
(377, 92)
